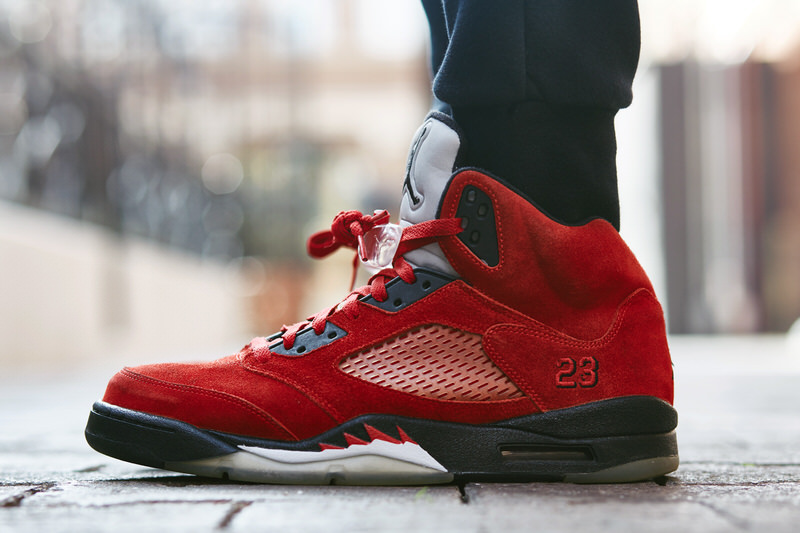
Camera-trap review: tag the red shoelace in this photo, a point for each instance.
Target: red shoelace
(347, 228)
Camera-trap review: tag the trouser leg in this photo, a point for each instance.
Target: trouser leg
(535, 86)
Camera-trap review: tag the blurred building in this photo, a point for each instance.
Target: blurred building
(210, 126)
(731, 190)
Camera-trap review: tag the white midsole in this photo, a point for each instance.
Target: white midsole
(408, 452)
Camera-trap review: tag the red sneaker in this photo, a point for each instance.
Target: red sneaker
(497, 344)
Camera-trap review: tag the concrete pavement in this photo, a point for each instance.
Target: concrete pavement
(739, 435)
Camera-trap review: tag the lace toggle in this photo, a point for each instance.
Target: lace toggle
(347, 230)
(378, 246)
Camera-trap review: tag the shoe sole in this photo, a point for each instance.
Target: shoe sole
(619, 440)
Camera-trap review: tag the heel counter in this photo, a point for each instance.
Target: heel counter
(643, 329)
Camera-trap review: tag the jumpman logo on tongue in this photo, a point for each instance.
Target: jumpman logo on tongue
(408, 184)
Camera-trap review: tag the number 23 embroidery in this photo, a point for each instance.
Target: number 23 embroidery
(572, 374)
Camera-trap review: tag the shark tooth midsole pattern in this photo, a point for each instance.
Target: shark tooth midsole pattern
(358, 469)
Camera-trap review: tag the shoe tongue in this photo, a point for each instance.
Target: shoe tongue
(430, 164)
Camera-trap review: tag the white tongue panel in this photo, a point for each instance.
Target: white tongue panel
(430, 165)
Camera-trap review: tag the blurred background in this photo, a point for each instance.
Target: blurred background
(162, 163)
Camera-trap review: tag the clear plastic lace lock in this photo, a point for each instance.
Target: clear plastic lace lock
(377, 247)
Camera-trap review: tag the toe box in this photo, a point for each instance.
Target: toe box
(221, 396)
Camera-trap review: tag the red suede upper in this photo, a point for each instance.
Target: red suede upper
(559, 293)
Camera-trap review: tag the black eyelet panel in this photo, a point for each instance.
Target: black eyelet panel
(307, 341)
(402, 294)
(476, 212)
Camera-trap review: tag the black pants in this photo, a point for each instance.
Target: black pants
(535, 86)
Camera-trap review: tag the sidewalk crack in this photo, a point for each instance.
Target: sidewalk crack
(235, 509)
(15, 500)
(462, 490)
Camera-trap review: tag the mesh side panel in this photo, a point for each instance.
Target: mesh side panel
(435, 362)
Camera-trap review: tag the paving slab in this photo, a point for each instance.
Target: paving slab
(739, 437)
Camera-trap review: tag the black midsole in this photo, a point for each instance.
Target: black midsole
(580, 439)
